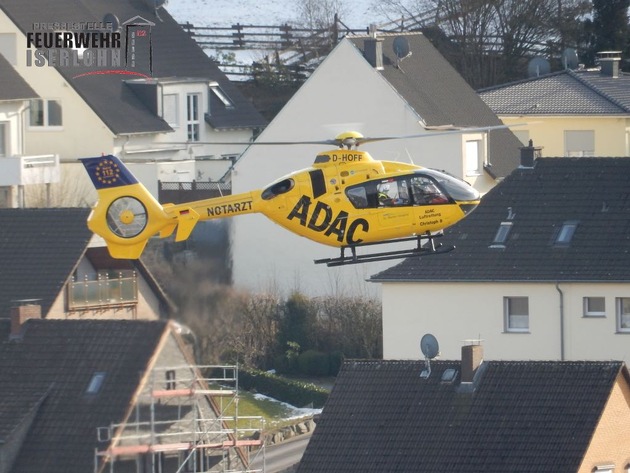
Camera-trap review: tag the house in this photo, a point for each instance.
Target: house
(109, 396)
(496, 416)
(51, 260)
(18, 169)
(122, 77)
(363, 85)
(540, 270)
(581, 112)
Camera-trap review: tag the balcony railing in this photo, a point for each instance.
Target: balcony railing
(103, 292)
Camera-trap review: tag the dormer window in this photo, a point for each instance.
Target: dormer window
(222, 96)
(565, 234)
(502, 235)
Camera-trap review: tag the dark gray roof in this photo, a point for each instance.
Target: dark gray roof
(381, 416)
(566, 92)
(12, 86)
(593, 192)
(175, 54)
(39, 250)
(440, 96)
(41, 247)
(53, 363)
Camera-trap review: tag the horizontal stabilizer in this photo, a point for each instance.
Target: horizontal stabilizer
(186, 221)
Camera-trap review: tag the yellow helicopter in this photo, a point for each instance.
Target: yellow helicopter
(346, 199)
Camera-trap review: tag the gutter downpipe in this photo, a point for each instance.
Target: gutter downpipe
(561, 320)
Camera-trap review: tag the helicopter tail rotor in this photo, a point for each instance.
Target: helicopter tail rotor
(126, 214)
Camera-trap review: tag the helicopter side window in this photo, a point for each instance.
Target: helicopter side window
(392, 193)
(358, 197)
(426, 192)
(278, 188)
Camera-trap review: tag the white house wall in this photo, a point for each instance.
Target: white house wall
(82, 133)
(344, 93)
(11, 114)
(455, 312)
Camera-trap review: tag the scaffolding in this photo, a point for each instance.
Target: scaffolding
(184, 420)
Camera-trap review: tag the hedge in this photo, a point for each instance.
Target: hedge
(296, 393)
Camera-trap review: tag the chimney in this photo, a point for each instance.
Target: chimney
(529, 154)
(373, 49)
(609, 63)
(472, 357)
(21, 313)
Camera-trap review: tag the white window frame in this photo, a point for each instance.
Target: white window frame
(170, 109)
(579, 143)
(45, 117)
(623, 314)
(473, 155)
(509, 316)
(589, 311)
(193, 114)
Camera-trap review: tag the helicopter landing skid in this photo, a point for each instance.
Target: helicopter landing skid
(420, 250)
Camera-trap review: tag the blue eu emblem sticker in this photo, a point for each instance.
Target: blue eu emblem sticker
(107, 172)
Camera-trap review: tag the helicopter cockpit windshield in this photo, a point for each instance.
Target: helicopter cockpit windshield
(460, 191)
(426, 187)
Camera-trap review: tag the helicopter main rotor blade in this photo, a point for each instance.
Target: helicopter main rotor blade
(431, 134)
(356, 140)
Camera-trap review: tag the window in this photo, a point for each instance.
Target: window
(502, 234)
(95, 383)
(594, 307)
(4, 145)
(473, 153)
(278, 188)
(192, 116)
(45, 113)
(516, 314)
(579, 143)
(565, 233)
(170, 380)
(170, 109)
(8, 47)
(358, 197)
(623, 314)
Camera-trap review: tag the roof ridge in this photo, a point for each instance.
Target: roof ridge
(598, 91)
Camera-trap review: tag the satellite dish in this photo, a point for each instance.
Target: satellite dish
(429, 346)
(401, 47)
(538, 66)
(570, 58)
(113, 20)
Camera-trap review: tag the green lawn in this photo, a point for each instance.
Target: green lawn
(275, 413)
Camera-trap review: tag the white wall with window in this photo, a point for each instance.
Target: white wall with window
(474, 154)
(45, 113)
(519, 320)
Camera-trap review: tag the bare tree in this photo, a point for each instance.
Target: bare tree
(320, 14)
(491, 40)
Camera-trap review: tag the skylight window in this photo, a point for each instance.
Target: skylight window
(565, 234)
(502, 235)
(96, 383)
